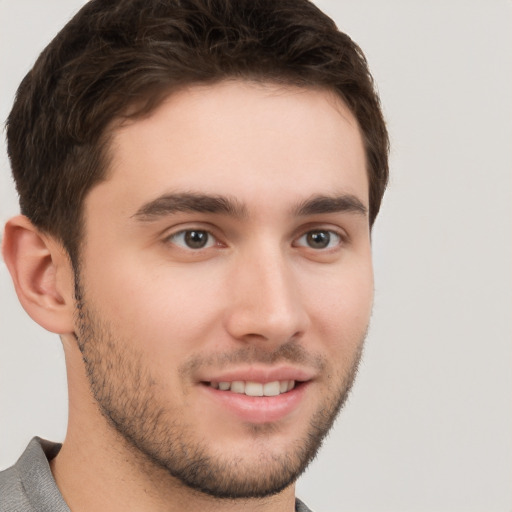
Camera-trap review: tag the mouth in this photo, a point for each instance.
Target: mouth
(252, 388)
(263, 396)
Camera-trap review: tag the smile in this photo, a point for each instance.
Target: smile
(251, 388)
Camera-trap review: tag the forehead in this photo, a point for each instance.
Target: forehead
(242, 139)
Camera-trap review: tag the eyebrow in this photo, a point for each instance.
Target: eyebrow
(331, 204)
(169, 204)
(190, 202)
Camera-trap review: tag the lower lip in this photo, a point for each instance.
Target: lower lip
(259, 409)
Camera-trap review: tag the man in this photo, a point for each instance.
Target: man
(197, 181)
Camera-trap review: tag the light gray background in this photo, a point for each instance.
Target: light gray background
(429, 424)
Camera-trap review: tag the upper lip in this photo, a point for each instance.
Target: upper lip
(260, 374)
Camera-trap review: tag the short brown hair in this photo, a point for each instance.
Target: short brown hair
(116, 55)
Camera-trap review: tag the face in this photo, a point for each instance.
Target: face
(226, 282)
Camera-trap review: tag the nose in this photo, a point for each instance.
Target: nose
(265, 302)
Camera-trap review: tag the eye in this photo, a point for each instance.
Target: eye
(193, 239)
(319, 239)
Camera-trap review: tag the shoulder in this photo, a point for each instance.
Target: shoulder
(300, 506)
(12, 495)
(28, 486)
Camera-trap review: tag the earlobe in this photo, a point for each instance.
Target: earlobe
(41, 273)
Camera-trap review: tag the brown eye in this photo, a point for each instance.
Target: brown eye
(196, 239)
(193, 239)
(319, 239)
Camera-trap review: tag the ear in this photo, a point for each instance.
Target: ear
(42, 275)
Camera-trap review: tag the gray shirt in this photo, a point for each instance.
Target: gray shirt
(28, 486)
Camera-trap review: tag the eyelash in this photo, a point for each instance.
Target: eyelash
(180, 239)
(184, 232)
(331, 234)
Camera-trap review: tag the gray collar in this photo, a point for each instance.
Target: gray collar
(37, 479)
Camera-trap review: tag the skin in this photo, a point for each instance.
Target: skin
(159, 319)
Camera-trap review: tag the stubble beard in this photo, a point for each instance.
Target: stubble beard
(126, 394)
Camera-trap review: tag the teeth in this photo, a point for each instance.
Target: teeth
(238, 386)
(271, 388)
(255, 388)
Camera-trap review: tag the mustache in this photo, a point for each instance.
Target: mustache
(289, 352)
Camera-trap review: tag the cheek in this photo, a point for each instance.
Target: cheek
(340, 311)
(161, 307)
